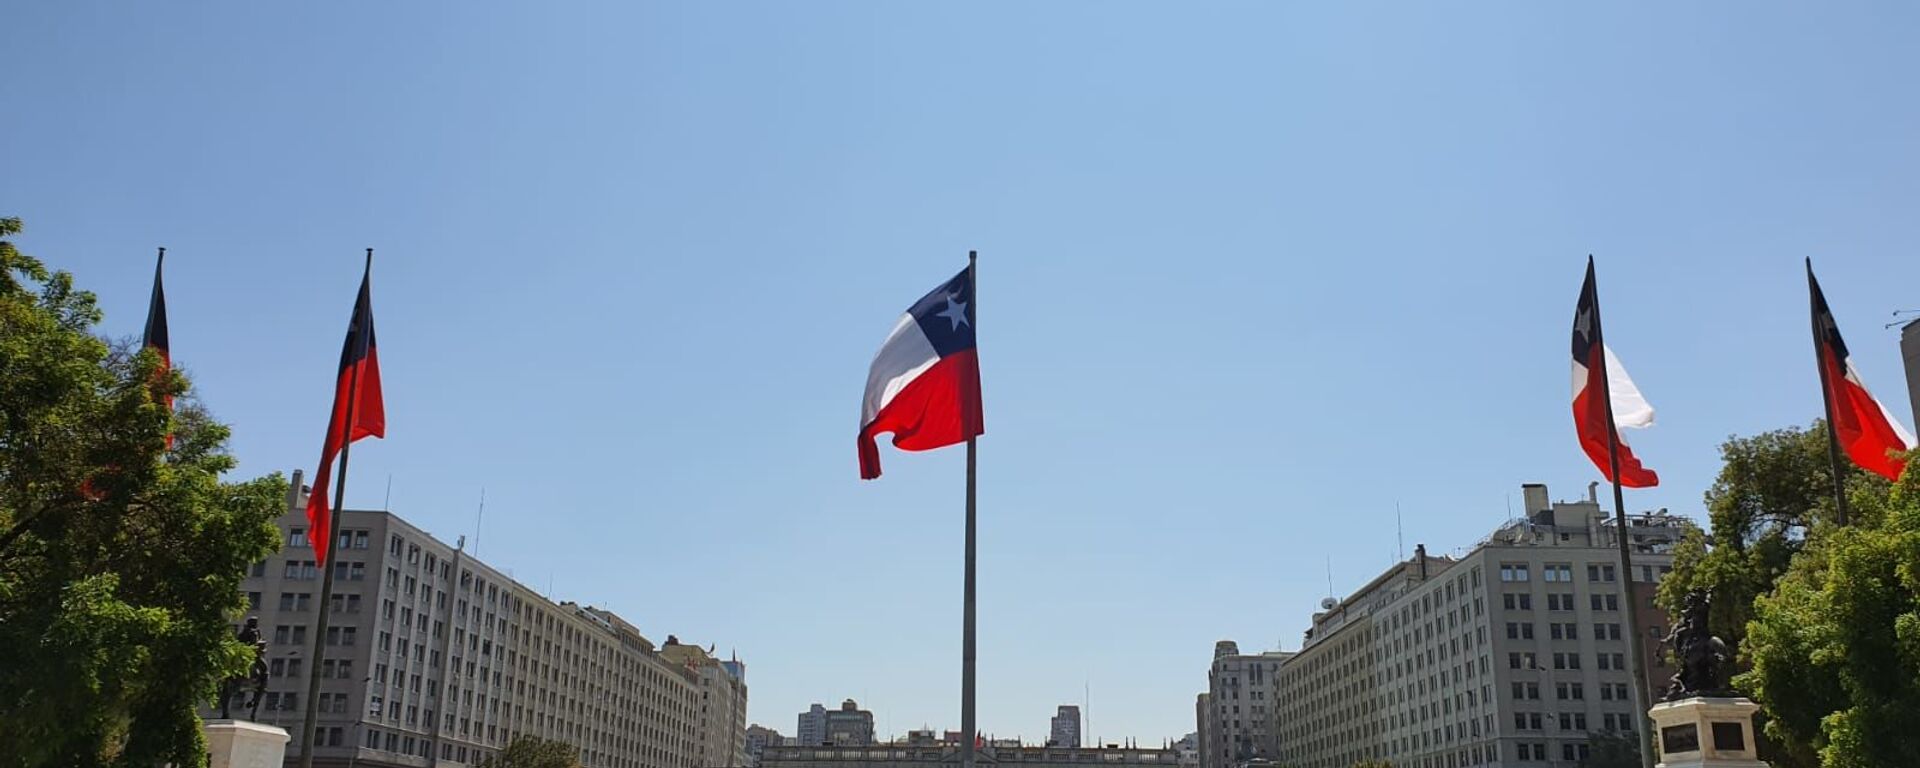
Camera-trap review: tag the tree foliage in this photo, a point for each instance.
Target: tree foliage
(1835, 649)
(1611, 749)
(1773, 488)
(120, 560)
(534, 752)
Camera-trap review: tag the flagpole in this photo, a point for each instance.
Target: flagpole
(326, 566)
(1826, 400)
(968, 726)
(1636, 643)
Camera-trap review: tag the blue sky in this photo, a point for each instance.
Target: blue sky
(1251, 274)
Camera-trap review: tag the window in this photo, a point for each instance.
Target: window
(296, 537)
(360, 539)
(253, 600)
(259, 569)
(1604, 602)
(1560, 572)
(1513, 572)
(1566, 661)
(1566, 631)
(393, 546)
(1519, 630)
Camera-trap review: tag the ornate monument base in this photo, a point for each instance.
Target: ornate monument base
(243, 744)
(1706, 732)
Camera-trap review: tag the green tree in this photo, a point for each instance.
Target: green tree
(1773, 490)
(120, 559)
(534, 752)
(1611, 749)
(1835, 649)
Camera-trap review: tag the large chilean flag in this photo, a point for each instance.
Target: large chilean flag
(358, 411)
(1599, 380)
(1864, 427)
(924, 385)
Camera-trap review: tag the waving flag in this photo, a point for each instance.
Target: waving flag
(924, 385)
(154, 337)
(1864, 428)
(1604, 396)
(357, 411)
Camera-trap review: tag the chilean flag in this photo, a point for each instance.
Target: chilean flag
(154, 337)
(1862, 426)
(358, 410)
(924, 385)
(1600, 381)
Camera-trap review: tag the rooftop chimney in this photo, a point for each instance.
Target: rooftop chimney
(1534, 495)
(1420, 556)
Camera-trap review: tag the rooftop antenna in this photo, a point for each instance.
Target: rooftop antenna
(1329, 576)
(1897, 314)
(477, 517)
(387, 506)
(1399, 534)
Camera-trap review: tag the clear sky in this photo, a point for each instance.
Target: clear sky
(1251, 275)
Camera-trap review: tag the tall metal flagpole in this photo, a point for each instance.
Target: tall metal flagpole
(1826, 400)
(1636, 643)
(967, 723)
(326, 567)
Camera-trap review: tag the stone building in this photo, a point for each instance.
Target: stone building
(1512, 654)
(1235, 714)
(433, 657)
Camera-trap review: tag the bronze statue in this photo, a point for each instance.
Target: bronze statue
(249, 634)
(1702, 657)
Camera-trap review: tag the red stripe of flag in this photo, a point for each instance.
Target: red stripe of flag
(1863, 427)
(358, 411)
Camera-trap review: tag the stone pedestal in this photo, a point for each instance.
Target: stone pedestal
(243, 744)
(1706, 732)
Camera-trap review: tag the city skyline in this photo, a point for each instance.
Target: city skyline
(1251, 277)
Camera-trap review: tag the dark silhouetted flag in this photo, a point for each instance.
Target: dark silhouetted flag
(155, 335)
(1865, 429)
(1599, 378)
(357, 412)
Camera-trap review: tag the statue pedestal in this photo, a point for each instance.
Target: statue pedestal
(243, 744)
(1706, 732)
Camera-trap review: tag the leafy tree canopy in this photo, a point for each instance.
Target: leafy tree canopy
(1835, 647)
(120, 560)
(534, 752)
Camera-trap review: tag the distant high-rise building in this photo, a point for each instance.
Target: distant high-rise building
(759, 737)
(1066, 727)
(848, 726)
(1910, 350)
(812, 728)
(1233, 714)
(721, 727)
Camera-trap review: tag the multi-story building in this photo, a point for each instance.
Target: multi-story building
(720, 733)
(1188, 748)
(811, 731)
(759, 737)
(1235, 713)
(1203, 723)
(432, 657)
(848, 726)
(946, 753)
(1910, 353)
(1510, 655)
(1065, 730)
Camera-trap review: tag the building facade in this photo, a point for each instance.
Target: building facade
(1236, 711)
(432, 657)
(932, 755)
(1065, 727)
(759, 737)
(1910, 354)
(848, 726)
(720, 731)
(1510, 655)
